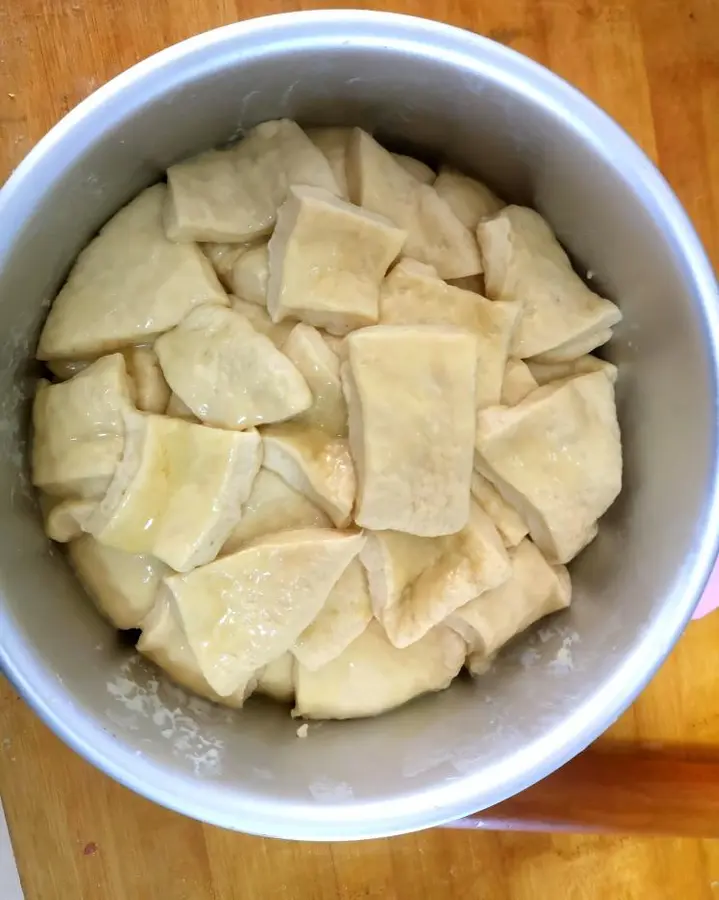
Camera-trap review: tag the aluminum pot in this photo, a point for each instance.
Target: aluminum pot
(444, 94)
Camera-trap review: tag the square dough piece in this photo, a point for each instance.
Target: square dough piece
(243, 611)
(469, 199)
(524, 262)
(320, 367)
(128, 285)
(178, 491)
(557, 458)
(228, 374)
(379, 183)
(411, 400)
(79, 429)
(372, 676)
(327, 261)
(233, 195)
(412, 294)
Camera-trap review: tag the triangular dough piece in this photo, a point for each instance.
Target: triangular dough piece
(316, 465)
(165, 643)
(421, 586)
(260, 320)
(333, 143)
(223, 257)
(410, 393)
(152, 392)
(535, 589)
(576, 347)
(525, 263)
(372, 676)
(518, 382)
(412, 294)
(249, 274)
(234, 195)
(327, 261)
(65, 520)
(506, 519)
(79, 429)
(227, 373)
(379, 183)
(122, 585)
(277, 679)
(273, 506)
(178, 491)
(416, 168)
(320, 368)
(469, 199)
(128, 285)
(242, 611)
(557, 458)
(345, 615)
(543, 373)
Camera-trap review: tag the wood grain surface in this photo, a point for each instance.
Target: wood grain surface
(652, 64)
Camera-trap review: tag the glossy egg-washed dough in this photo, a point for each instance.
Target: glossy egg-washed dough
(323, 423)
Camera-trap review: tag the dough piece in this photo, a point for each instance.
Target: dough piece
(416, 168)
(277, 679)
(506, 519)
(227, 373)
(469, 199)
(327, 261)
(152, 392)
(79, 429)
(518, 382)
(127, 286)
(122, 585)
(556, 457)
(63, 369)
(316, 465)
(415, 587)
(234, 195)
(243, 611)
(248, 276)
(372, 676)
(543, 373)
(65, 520)
(178, 409)
(333, 144)
(345, 615)
(273, 506)
(576, 347)
(377, 182)
(524, 262)
(320, 368)
(178, 491)
(410, 392)
(165, 643)
(223, 257)
(534, 590)
(261, 321)
(412, 294)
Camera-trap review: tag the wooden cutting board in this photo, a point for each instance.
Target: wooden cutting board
(654, 65)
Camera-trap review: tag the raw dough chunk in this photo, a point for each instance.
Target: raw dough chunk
(327, 261)
(178, 491)
(316, 465)
(223, 257)
(260, 320)
(372, 676)
(122, 585)
(415, 586)
(524, 262)
(63, 369)
(277, 679)
(344, 617)
(178, 409)
(320, 368)
(66, 520)
(249, 273)
(152, 392)
(413, 294)
(243, 611)
(129, 284)
(469, 199)
(411, 393)
(79, 429)
(576, 347)
(556, 457)
(416, 168)
(227, 373)
(333, 143)
(234, 195)
(518, 382)
(543, 373)
(379, 183)
(165, 643)
(506, 519)
(535, 589)
(273, 506)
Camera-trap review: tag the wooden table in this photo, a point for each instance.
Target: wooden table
(654, 65)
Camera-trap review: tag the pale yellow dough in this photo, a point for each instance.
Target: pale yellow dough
(518, 382)
(320, 367)
(543, 373)
(469, 199)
